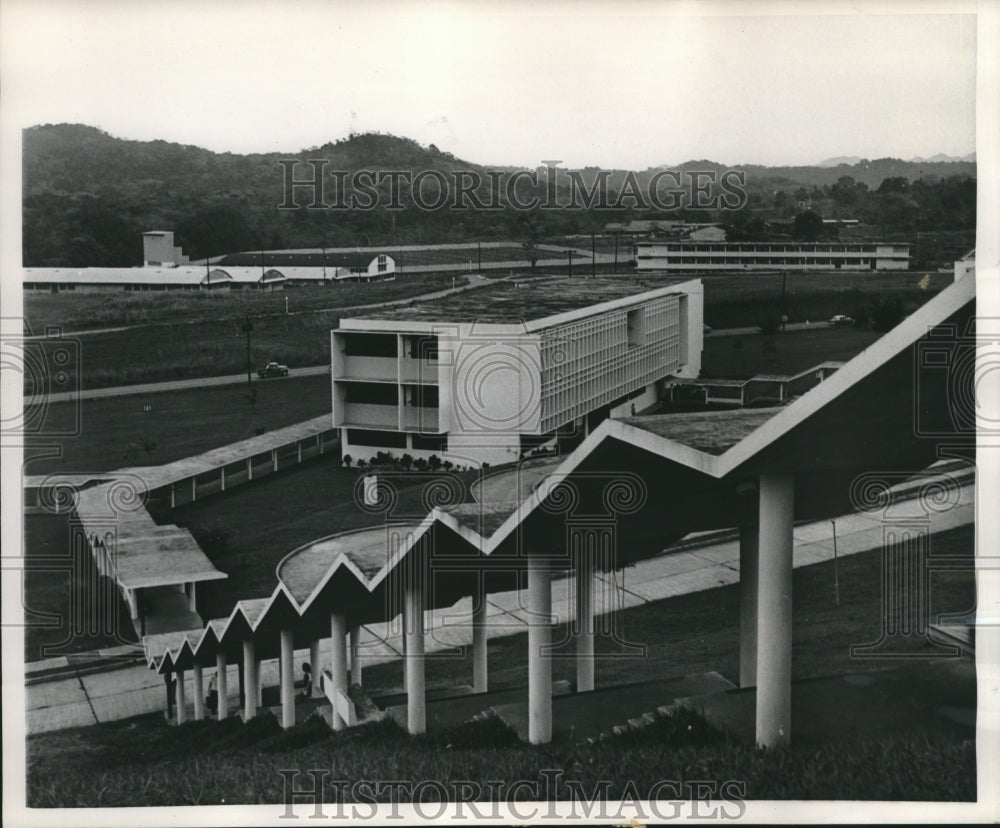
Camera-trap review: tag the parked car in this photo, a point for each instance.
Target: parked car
(273, 369)
(840, 320)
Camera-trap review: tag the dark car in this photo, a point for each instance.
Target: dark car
(273, 369)
(841, 321)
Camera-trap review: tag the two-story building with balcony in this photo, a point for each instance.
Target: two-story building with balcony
(490, 374)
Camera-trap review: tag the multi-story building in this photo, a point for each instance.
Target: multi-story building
(489, 374)
(704, 255)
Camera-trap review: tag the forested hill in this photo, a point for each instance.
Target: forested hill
(88, 196)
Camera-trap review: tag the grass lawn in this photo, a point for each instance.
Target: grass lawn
(180, 423)
(79, 311)
(143, 761)
(248, 530)
(64, 599)
(741, 357)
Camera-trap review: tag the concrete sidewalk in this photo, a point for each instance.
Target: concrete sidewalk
(85, 699)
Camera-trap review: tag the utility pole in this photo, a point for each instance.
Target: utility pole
(324, 264)
(569, 253)
(479, 257)
(247, 328)
(784, 314)
(616, 254)
(593, 257)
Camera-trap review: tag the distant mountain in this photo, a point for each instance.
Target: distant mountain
(850, 160)
(88, 196)
(941, 158)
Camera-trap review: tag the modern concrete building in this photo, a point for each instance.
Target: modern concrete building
(486, 376)
(706, 255)
(159, 250)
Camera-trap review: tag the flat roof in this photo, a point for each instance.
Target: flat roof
(712, 432)
(528, 298)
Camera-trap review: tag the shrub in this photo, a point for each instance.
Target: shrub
(434, 462)
(347, 461)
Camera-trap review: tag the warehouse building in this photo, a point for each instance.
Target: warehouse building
(491, 375)
(706, 255)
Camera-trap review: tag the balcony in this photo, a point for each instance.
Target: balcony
(368, 415)
(419, 371)
(420, 419)
(379, 369)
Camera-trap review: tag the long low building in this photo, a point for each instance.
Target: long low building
(690, 255)
(184, 277)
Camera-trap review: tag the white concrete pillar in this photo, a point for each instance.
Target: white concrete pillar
(259, 672)
(180, 701)
(250, 468)
(356, 654)
(319, 442)
(249, 680)
(748, 605)
(194, 488)
(298, 446)
(539, 657)
(173, 497)
(338, 661)
(274, 460)
(221, 685)
(199, 693)
(287, 680)
(585, 627)
(316, 664)
(480, 671)
(774, 610)
(191, 590)
(413, 634)
(222, 479)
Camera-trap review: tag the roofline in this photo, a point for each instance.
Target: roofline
(362, 325)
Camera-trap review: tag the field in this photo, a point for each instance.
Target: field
(212, 763)
(81, 311)
(189, 335)
(177, 424)
(741, 357)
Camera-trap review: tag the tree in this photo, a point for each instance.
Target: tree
(808, 226)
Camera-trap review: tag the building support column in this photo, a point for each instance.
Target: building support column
(197, 687)
(221, 685)
(249, 680)
(338, 662)
(192, 596)
(298, 447)
(480, 671)
(259, 673)
(250, 468)
(356, 654)
(194, 488)
(585, 627)
(316, 665)
(749, 564)
(539, 656)
(774, 610)
(181, 701)
(274, 460)
(173, 497)
(287, 680)
(413, 635)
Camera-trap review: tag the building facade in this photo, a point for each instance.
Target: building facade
(481, 391)
(704, 255)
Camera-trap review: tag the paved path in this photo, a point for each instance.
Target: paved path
(87, 699)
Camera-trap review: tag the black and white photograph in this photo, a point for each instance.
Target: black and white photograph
(505, 413)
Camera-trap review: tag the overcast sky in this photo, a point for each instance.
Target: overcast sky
(624, 85)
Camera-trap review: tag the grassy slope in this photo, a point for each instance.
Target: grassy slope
(180, 423)
(740, 357)
(208, 763)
